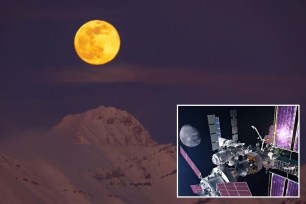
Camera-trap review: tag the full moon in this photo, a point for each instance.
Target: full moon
(97, 42)
(190, 136)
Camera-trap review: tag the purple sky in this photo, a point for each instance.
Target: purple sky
(172, 52)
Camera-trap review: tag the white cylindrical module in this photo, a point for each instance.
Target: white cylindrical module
(222, 157)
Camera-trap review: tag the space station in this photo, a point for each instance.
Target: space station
(275, 155)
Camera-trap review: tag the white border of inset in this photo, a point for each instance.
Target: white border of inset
(299, 154)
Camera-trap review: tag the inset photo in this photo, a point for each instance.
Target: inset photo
(238, 151)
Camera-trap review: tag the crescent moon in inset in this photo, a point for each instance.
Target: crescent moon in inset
(97, 42)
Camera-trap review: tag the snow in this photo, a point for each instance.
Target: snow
(74, 162)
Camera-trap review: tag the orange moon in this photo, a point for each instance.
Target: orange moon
(97, 42)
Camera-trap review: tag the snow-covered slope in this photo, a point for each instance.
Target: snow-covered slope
(105, 125)
(103, 155)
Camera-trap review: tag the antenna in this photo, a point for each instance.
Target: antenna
(257, 133)
(262, 140)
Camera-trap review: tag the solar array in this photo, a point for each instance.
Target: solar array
(277, 185)
(218, 131)
(292, 188)
(190, 162)
(281, 186)
(196, 189)
(215, 129)
(214, 123)
(234, 125)
(284, 138)
(284, 121)
(296, 142)
(234, 189)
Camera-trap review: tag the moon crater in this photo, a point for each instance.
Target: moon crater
(190, 136)
(97, 42)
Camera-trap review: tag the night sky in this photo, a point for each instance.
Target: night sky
(172, 52)
(261, 117)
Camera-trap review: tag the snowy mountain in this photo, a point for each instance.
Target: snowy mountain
(103, 155)
(105, 125)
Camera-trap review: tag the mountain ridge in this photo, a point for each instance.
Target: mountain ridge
(54, 167)
(105, 125)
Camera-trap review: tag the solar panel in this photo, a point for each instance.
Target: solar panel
(234, 125)
(215, 146)
(234, 189)
(292, 188)
(234, 122)
(277, 185)
(217, 120)
(211, 119)
(235, 137)
(234, 130)
(296, 141)
(218, 131)
(196, 189)
(285, 119)
(233, 113)
(190, 162)
(280, 185)
(214, 137)
(214, 130)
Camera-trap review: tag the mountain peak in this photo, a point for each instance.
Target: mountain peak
(105, 125)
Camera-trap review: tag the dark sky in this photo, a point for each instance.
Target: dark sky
(172, 52)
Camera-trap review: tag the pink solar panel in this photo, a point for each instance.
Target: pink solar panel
(189, 161)
(196, 189)
(234, 189)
